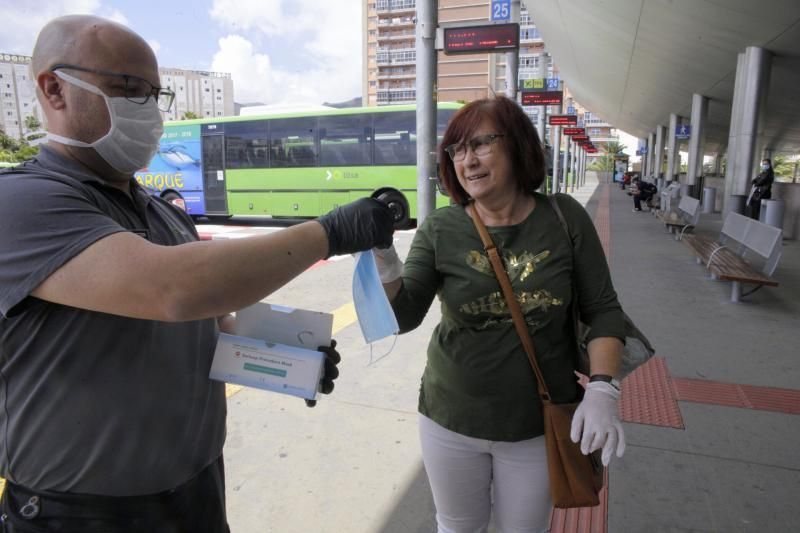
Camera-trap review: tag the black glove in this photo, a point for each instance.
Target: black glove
(332, 359)
(357, 226)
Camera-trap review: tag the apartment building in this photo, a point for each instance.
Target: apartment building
(389, 58)
(17, 96)
(206, 94)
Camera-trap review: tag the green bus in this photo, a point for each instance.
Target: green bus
(292, 165)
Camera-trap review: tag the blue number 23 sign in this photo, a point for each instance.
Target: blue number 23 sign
(501, 9)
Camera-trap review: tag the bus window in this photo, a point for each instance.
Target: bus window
(443, 116)
(247, 144)
(395, 138)
(344, 140)
(293, 142)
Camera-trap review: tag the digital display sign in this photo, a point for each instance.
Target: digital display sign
(488, 38)
(574, 131)
(562, 120)
(580, 138)
(542, 97)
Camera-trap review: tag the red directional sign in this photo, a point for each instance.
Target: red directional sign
(562, 120)
(542, 97)
(580, 138)
(574, 131)
(489, 38)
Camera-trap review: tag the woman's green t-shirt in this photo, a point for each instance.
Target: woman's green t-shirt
(478, 380)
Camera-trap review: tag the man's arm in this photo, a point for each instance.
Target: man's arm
(126, 275)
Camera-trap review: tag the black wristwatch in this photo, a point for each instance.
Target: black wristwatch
(605, 377)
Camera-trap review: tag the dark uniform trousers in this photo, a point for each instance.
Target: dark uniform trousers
(197, 506)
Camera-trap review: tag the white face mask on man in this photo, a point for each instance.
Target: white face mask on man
(132, 139)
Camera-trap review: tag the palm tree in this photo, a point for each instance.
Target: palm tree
(605, 163)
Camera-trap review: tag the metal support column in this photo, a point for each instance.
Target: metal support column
(651, 148)
(427, 20)
(566, 165)
(733, 135)
(672, 148)
(697, 141)
(757, 66)
(556, 157)
(512, 58)
(658, 161)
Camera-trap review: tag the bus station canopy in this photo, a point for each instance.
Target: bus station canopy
(633, 62)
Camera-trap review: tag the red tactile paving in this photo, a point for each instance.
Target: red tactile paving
(733, 395)
(584, 519)
(648, 397)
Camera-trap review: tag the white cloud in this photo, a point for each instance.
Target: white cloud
(320, 40)
(243, 15)
(23, 20)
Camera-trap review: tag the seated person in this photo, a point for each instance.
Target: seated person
(642, 191)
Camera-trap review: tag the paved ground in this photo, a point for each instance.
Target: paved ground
(352, 464)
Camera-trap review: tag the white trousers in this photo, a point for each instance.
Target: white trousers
(466, 474)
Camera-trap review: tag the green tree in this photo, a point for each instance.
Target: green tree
(783, 167)
(605, 163)
(32, 123)
(189, 115)
(15, 151)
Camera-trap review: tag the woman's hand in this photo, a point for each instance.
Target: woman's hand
(596, 423)
(390, 268)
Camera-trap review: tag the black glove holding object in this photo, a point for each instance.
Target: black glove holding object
(332, 358)
(357, 226)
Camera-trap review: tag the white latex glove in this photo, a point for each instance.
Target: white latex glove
(596, 422)
(389, 265)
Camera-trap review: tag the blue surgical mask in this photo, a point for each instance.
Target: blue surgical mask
(764, 166)
(375, 315)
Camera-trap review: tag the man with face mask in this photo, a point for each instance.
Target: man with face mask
(110, 422)
(762, 188)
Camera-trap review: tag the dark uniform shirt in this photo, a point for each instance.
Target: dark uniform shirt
(95, 403)
(478, 380)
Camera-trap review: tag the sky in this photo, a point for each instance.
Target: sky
(277, 51)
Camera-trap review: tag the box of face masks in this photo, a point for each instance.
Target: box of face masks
(274, 349)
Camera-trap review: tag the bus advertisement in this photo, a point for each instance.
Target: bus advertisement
(292, 165)
(175, 171)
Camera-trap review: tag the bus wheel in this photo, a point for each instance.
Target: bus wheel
(175, 199)
(399, 207)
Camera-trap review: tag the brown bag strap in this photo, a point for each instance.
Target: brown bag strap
(511, 301)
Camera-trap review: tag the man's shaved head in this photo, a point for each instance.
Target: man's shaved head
(84, 40)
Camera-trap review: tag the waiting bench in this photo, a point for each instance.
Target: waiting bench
(667, 197)
(743, 243)
(685, 217)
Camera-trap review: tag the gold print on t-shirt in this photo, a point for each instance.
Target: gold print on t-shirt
(521, 265)
(518, 266)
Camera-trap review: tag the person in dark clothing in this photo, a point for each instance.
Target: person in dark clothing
(110, 421)
(642, 191)
(762, 189)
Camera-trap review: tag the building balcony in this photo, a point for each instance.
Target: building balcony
(404, 75)
(404, 56)
(396, 22)
(387, 36)
(397, 96)
(396, 6)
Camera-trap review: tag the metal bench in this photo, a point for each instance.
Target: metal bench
(667, 198)
(747, 251)
(685, 217)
